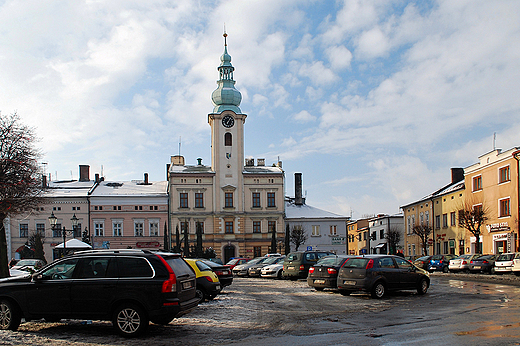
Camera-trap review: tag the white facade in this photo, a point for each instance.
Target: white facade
(379, 228)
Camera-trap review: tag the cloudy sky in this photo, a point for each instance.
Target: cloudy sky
(373, 101)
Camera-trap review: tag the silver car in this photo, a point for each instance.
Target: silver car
(461, 263)
(504, 263)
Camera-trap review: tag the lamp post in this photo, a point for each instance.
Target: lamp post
(53, 220)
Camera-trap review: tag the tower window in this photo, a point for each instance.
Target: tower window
(228, 139)
(229, 200)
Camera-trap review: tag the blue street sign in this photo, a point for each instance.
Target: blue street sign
(309, 248)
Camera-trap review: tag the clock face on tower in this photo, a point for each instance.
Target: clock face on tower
(228, 121)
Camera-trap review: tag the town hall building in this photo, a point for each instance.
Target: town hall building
(236, 203)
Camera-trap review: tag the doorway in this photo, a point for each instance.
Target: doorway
(229, 252)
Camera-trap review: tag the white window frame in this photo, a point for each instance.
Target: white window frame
(136, 223)
(154, 224)
(315, 231)
(99, 228)
(333, 230)
(119, 228)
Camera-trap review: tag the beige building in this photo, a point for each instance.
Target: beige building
(493, 185)
(439, 211)
(235, 202)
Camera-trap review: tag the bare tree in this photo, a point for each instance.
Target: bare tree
(298, 235)
(20, 184)
(36, 241)
(393, 237)
(471, 217)
(423, 231)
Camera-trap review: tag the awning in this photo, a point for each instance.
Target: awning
(74, 244)
(380, 245)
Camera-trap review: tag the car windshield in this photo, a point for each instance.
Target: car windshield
(505, 257)
(424, 258)
(356, 263)
(27, 262)
(485, 257)
(464, 257)
(257, 260)
(233, 261)
(437, 257)
(330, 261)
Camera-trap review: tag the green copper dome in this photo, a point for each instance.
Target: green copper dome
(226, 97)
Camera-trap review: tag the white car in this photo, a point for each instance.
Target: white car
(516, 264)
(461, 263)
(504, 263)
(272, 271)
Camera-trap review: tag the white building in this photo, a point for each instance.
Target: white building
(379, 228)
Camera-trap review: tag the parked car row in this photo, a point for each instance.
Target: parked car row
(375, 274)
(473, 263)
(128, 287)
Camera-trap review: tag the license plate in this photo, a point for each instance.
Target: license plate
(290, 268)
(186, 285)
(319, 281)
(225, 273)
(352, 283)
(477, 267)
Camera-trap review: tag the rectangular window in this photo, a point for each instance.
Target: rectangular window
(184, 227)
(229, 200)
(445, 247)
(99, 229)
(271, 201)
(138, 228)
(453, 220)
(413, 249)
(77, 230)
(256, 199)
(477, 208)
(257, 251)
(184, 200)
(40, 228)
(56, 232)
(382, 234)
(477, 183)
(271, 226)
(444, 220)
(154, 228)
(117, 228)
(505, 208)
(316, 230)
(199, 200)
(229, 227)
(503, 174)
(409, 226)
(257, 227)
(24, 230)
(333, 230)
(437, 221)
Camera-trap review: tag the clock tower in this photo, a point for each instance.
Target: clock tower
(227, 139)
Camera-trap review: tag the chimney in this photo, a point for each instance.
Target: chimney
(298, 198)
(457, 174)
(167, 171)
(260, 162)
(146, 179)
(97, 178)
(177, 160)
(199, 161)
(84, 173)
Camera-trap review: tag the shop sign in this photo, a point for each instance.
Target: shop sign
(500, 237)
(147, 244)
(339, 240)
(495, 227)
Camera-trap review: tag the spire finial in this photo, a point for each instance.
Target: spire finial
(225, 35)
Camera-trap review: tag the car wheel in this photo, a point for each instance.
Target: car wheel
(492, 270)
(445, 269)
(10, 316)
(422, 288)
(279, 275)
(130, 320)
(345, 292)
(199, 293)
(378, 291)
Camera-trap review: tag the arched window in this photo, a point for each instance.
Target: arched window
(228, 141)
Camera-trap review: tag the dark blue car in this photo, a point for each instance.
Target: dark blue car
(440, 263)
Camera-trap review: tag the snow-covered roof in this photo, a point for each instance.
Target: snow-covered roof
(190, 169)
(262, 169)
(304, 211)
(71, 188)
(443, 191)
(130, 188)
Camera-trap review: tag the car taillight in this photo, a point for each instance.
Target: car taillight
(471, 262)
(370, 264)
(219, 273)
(169, 285)
(209, 278)
(311, 270)
(486, 262)
(332, 271)
(464, 262)
(302, 267)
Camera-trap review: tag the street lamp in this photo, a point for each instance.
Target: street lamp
(53, 220)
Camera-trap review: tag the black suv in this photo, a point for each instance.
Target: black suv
(296, 265)
(128, 287)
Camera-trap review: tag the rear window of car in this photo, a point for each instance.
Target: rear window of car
(130, 267)
(179, 266)
(485, 257)
(330, 261)
(293, 257)
(505, 257)
(356, 263)
(202, 266)
(233, 261)
(424, 258)
(437, 257)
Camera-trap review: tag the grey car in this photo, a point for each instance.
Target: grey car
(378, 274)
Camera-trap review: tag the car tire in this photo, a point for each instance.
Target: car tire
(10, 316)
(279, 276)
(130, 320)
(345, 292)
(422, 287)
(379, 290)
(200, 294)
(445, 269)
(492, 270)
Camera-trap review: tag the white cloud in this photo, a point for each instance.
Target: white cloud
(318, 73)
(372, 43)
(303, 117)
(339, 57)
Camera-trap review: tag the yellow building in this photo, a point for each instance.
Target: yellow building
(357, 234)
(492, 184)
(439, 212)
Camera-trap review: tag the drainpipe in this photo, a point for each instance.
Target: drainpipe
(516, 155)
